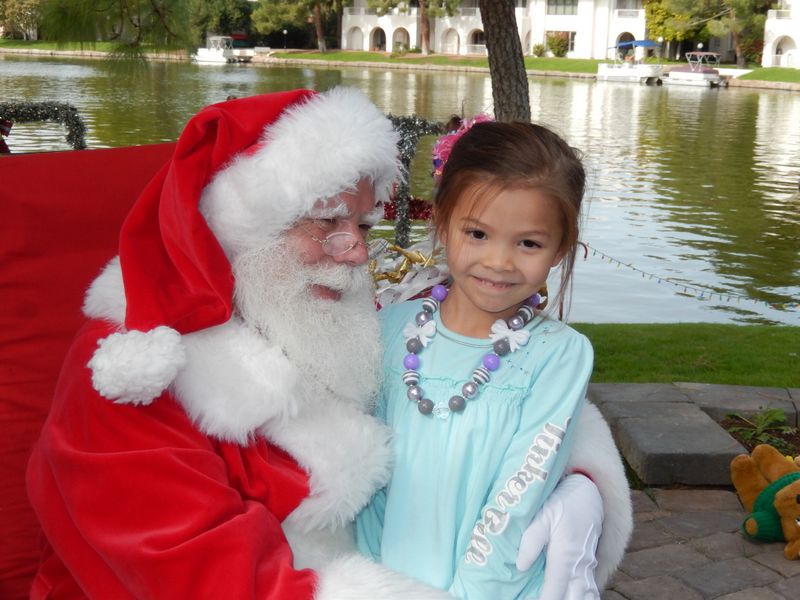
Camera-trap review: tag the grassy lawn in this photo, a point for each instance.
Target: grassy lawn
(564, 65)
(45, 45)
(774, 74)
(74, 46)
(758, 355)
(382, 57)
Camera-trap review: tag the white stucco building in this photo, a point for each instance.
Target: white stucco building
(782, 36)
(593, 26)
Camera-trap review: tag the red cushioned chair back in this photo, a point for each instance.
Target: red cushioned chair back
(60, 215)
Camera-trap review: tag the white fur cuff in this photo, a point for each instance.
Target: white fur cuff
(354, 577)
(135, 367)
(594, 452)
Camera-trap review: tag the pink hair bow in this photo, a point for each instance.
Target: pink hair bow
(444, 145)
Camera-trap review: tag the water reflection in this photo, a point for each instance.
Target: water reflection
(689, 186)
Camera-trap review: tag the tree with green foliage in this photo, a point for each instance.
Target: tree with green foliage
(743, 20)
(21, 17)
(275, 15)
(131, 25)
(427, 10)
(221, 17)
(663, 23)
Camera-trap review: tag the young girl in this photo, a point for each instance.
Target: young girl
(480, 388)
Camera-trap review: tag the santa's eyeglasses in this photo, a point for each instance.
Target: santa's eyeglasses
(336, 243)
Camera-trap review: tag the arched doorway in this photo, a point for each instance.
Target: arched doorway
(355, 39)
(476, 42)
(526, 45)
(401, 41)
(377, 41)
(786, 54)
(625, 36)
(450, 42)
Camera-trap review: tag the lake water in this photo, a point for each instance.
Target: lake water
(692, 211)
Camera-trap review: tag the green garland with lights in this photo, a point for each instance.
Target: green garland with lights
(410, 130)
(58, 112)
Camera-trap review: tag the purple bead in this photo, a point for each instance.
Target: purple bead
(491, 361)
(411, 361)
(439, 292)
(535, 300)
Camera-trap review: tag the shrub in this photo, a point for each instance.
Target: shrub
(538, 50)
(399, 50)
(558, 43)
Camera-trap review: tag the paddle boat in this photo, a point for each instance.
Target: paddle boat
(700, 71)
(220, 50)
(629, 69)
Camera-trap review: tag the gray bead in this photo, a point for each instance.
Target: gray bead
(414, 345)
(425, 406)
(456, 403)
(516, 322)
(469, 389)
(502, 347)
(414, 392)
(423, 317)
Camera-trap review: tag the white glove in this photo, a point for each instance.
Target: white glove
(569, 524)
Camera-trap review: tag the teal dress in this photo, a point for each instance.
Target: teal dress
(466, 485)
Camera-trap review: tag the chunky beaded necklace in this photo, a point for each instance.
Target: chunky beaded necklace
(507, 336)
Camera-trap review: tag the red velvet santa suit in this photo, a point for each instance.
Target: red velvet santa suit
(177, 461)
(152, 507)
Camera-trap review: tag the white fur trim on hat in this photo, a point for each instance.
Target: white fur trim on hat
(314, 151)
(105, 298)
(129, 367)
(594, 452)
(135, 367)
(229, 380)
(357, 578)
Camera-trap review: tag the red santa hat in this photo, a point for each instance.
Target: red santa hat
(242, 172)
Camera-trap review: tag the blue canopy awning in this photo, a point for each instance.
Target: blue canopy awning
(636, 44)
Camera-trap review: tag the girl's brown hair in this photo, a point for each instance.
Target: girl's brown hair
(493, 156)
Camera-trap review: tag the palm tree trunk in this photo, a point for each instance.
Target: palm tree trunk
(424, 27)
(321, 46)
(506, 63)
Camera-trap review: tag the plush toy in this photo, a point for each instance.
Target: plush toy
(768, 485)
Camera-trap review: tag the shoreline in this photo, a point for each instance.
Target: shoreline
(266, 60)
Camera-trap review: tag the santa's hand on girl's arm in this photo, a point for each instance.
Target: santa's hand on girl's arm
(569, 526)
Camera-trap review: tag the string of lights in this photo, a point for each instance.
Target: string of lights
(698, 291)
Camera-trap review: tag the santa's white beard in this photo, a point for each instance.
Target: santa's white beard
(334, 344)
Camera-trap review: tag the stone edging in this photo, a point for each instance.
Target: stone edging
(670, 433)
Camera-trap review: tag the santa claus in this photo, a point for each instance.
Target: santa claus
(211, 434)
